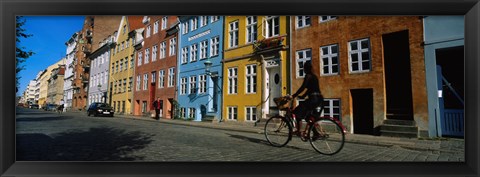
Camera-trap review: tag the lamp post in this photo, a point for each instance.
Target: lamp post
(214, 76)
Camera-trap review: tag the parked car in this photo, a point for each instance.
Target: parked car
(100, 109)
(34, 106)
(50, 107)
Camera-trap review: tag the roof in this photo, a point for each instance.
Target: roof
(135, 22)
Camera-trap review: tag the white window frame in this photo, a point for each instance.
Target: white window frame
(171, 77)
(161, 79)
(251, 29)
(214, 18)
(154, 77)
(138, 82)
(147, 34)
(233, 34)
(184, 55)
(183, 86)
(328, 18)
(329, 108)
(130, 81)
(202, 84)
(203, 49)
(164, 22)
(183, 112)
(154, 53)
(193, 24)
(203, 21)
(302, 21)
(163, 49)
(185, 26)
(360, 59)
(233, 80)
(329, 57)
(193, 52)
(214, 46)
(147, 56)
(145, 81)
(173, 44)
(192, 113)
(251, 79)
(192, 85)
(132, 62)
(232, 113)
(251, 114)
(270, 25)
(155, 27)
(300, 72)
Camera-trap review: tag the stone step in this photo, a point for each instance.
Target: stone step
(399, 128)
(398, 134)
(399, 122)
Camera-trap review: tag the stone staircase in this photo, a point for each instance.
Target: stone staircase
(399, 128)
(209, 118)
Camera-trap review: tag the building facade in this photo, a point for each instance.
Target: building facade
(55, 85)
(122, 65)
(255, 66)
(200, 46)
(81, 67)
(156, 66)
(42, 101)
(371, 69)
(444, 67)
(69, 74)
(31, 92)
(37, 86)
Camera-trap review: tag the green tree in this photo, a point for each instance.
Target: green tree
(21, 55)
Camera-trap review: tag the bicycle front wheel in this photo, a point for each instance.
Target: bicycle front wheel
(278, 131)
(326, 136)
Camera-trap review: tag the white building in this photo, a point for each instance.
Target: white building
(69, 71)
(37, 86)
(30, 92)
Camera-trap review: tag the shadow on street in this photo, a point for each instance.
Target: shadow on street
(43, 118)
(96, 144)
(259, 141)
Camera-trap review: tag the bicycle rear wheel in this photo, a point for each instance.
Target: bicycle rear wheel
(326, 136)
(277, 131)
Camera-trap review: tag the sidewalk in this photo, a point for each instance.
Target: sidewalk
(449, 145)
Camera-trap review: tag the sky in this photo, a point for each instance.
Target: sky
(48, 42)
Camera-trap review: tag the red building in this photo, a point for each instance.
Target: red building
(81, 68)
(156, 65)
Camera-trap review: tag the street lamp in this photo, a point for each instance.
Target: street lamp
(208, 65)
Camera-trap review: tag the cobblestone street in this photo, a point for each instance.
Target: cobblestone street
(46, 136)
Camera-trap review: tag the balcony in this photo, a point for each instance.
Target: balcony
(89, 34)
(269, 43)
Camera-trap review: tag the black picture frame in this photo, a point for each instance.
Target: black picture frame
(10, 8)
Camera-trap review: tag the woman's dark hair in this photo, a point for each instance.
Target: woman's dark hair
(308, 67)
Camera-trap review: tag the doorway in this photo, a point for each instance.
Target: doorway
(362, 111)
(398, 80)
(274, 85)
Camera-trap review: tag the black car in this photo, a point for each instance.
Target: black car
(100, 109)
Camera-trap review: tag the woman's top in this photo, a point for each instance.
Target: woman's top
(311, 84)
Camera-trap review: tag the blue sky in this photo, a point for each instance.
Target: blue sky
(48, 42)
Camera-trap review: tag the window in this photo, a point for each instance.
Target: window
(327, 18)
(130, 80)
(145, 81)
(251, 29)
(272, 26)
(303, 21)
(183, 86)
(193, 53)
(161, 79)
(126, 63)
(203, 21)
(233, 34)
(147, 55)
(232, 113)
(214, 46)
(162, 49)
(148, 31)
(302, 56)
(126, 43)
(155, 27)
(332, 108)
(164, 22)
(139, 62)
(131, 62)
(359, 55)
(173, 43)
(251, 77)
(329, 59)
(121, 64)
(154, 76)
(214, 18)
(184, 55)
(121, 46)
(232, 80)
(171, 77)
(185, 28)
(202, 84)
(203, 49)
(193, 84)
(191, 113)
(124, 29)
(116, 67)
(251, 113)
(138, 83)
(183, 112)
(124, 85)
(144, 106)
(194, 23)
(154, 53)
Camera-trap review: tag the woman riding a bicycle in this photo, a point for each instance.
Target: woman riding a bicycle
(314, 100)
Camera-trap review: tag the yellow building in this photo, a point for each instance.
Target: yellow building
(122, 68)
(44, 82)
(255, 66)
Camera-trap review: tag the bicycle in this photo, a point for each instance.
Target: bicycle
(325, 134)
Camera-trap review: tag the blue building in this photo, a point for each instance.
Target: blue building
(200, 53)
(444, 62)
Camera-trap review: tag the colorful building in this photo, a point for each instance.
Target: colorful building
(69, 74)
(444, 68)
(44, 82)
(81, 65)
(55, 85)
(255, 66)
(122, 65)
(371, 70)
(156, 66)
(200, 49)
